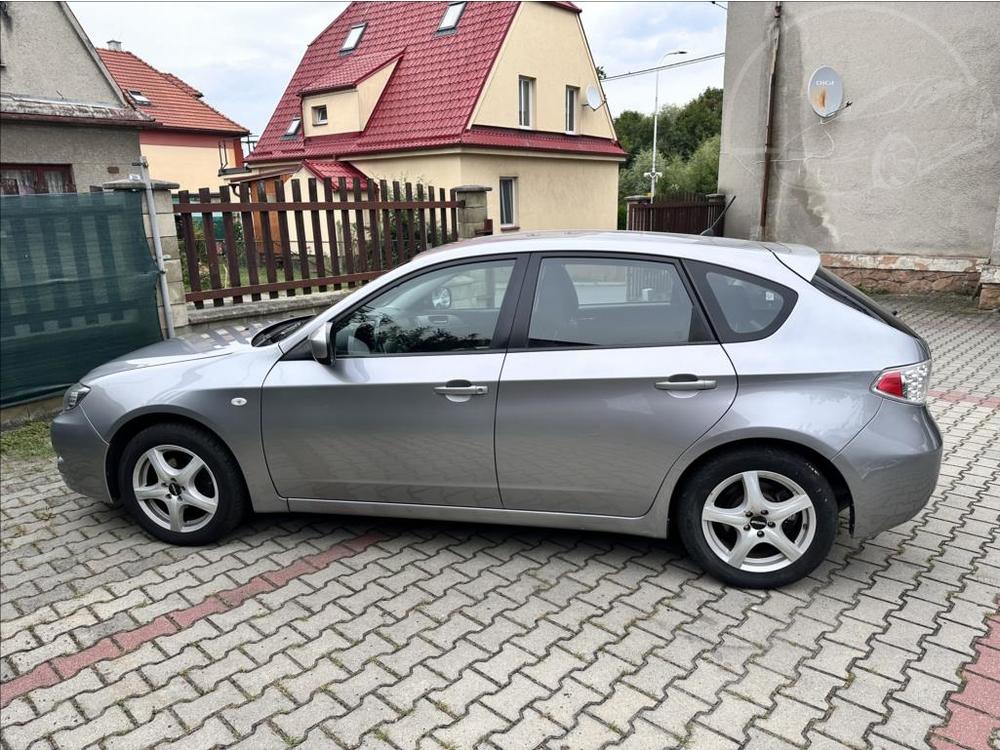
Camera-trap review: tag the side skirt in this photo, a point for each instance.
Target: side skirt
(648, 525)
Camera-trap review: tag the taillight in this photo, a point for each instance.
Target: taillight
(908, 383)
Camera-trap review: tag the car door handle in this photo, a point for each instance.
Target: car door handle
(685, 383)
(462, 390)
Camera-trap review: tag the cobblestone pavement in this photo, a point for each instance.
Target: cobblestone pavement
(333, 633)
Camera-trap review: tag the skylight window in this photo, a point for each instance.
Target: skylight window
(451, 15)
(139, 98)
(353, 37)
(293, 126)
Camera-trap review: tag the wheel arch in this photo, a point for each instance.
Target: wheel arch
(133, 426)
(831, 473)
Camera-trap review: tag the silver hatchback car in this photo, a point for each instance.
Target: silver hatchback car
(624, 382)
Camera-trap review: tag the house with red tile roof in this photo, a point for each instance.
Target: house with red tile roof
(456, 93)
(188, 142)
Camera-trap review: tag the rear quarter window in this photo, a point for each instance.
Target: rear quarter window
(742, 307)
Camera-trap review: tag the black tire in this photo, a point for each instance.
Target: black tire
(698, 487)
(232, 498)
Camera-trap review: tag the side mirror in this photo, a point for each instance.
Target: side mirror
(321, 344)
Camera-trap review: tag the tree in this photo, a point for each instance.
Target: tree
(635, 132)
(698, 174)
(699, 119)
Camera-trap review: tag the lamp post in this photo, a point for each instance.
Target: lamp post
(652, 174)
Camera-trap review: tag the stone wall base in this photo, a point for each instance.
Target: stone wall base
(908, 274)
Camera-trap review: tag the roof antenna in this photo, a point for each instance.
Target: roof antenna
(710, 232)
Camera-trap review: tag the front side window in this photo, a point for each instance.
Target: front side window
(453, 309)
(584, 302)
(319, 115)
(743, 307)
(572, 97)
(508, 196)
(525, 101)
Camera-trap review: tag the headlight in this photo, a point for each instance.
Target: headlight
(74, 395)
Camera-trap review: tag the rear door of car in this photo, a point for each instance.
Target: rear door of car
(611, 373)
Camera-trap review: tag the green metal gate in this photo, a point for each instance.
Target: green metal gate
(78, 288)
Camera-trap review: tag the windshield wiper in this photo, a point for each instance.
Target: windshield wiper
(277, 331)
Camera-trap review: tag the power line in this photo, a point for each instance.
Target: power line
(681, 64)
(719, 5)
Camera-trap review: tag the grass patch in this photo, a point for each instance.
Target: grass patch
(30, 440)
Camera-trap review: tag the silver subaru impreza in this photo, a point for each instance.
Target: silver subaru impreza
(732, 391)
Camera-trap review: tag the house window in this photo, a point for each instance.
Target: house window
(508, 202)
(28, 179)
(449, 22)
(293, 126)
(525, 101)
(140, 98)
(572, 98)
(353, 37)
(319, 115)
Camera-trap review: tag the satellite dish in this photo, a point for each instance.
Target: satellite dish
(594, 100)
(826, 91)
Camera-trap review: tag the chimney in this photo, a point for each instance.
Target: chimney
(114, 45)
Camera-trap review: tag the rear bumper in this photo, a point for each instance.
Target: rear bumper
(891, 467)
(80, 454)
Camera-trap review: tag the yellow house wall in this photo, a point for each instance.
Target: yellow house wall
(552, 193)
(192, 167)
(341, 112)
(346, 111)
(548, 44)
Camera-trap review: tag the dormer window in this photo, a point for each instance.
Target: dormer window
(293, 126)
(353, 37)
(139, 98)
(451, 16)
(319, 115)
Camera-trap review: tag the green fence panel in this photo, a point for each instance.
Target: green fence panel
(78, 288)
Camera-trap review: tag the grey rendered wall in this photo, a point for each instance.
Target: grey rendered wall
(93, 152)
(45, 58)
(913, 167)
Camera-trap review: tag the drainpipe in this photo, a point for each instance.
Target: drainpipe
(769, 122)
(157, 245)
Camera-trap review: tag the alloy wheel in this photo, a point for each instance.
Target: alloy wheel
(759, 521)
(175, 488)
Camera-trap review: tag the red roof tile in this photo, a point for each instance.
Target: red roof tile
(335, 170)
(173, 103)
(355, 69)
(431, 94)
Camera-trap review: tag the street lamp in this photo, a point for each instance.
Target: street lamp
(652, 174)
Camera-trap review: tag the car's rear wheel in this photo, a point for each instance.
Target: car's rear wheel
(758, 518)
(181, 484)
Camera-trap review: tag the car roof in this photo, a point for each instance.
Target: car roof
(801, 259)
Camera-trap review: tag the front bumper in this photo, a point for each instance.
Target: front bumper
(81, 454)
(891, 467)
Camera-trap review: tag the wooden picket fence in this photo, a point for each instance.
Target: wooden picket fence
(685, 213)
(279, 237)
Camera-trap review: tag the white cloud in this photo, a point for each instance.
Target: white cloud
(242, 54)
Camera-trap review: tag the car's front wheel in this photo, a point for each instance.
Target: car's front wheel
(758, 518)
(181, 484)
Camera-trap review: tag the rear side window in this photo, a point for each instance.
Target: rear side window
(612, 302)
(835, 287)
(743, 307)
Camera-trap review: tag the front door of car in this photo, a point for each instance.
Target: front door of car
(405, 413)
(611, 374)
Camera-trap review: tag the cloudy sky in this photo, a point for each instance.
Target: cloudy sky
(241, 54)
